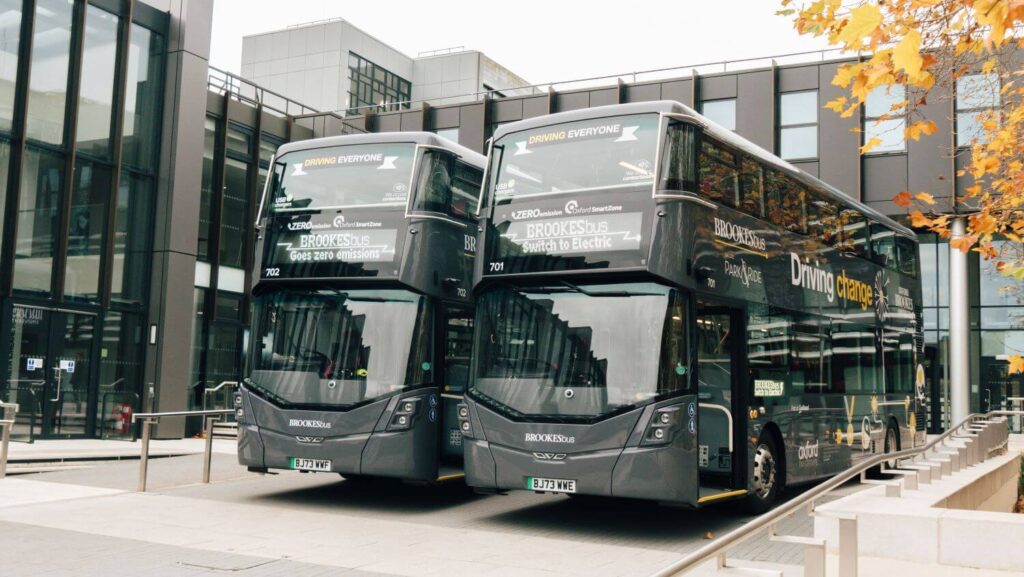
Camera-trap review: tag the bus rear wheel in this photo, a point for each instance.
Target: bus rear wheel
(767, 481)
(892, 445)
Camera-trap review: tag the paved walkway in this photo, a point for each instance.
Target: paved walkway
(90, 522)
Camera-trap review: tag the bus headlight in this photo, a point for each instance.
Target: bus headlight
(464, 425)
(404, 415)
(663, 423)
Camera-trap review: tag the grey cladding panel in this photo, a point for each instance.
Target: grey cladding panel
(447, 117)
(678, 90)
(839, 145)
(931, 168)
(572, 101)
(274, 125)
(391, 122)
(884, 177)
(799, 78)
(643, 92)
(604, 97)
(506, 110)
(810, 168)
(755, 108)
(473, 127)
(241, 113)
(536, 106)
(413, 121)
(717, 87)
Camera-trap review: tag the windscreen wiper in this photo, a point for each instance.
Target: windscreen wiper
(619, 293)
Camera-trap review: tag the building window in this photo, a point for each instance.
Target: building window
(881, 123)
(51, 57)
(976, 95)
(798, 125)
(449, 133)
(721, 112)
(371, 86)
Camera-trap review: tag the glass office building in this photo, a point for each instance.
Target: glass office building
(80, 106)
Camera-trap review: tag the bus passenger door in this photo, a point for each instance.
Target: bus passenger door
(721, 450)
(458, 341)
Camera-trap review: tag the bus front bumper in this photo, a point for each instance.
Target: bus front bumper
(355, 442)
(606, 458)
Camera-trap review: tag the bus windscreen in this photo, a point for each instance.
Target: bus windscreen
(331, 348)
(365, 175)
(597, 154)
(565, 351)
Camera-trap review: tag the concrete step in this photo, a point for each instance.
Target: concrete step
(225, 430)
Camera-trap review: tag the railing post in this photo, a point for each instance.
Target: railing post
(5, 436)
(848, 546)
(144, 457)
(208, 450)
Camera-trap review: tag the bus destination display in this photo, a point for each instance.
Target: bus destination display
(577, 234)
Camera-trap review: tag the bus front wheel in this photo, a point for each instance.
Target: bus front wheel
(767, 481)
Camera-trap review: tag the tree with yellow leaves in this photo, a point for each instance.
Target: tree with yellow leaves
(925, 45)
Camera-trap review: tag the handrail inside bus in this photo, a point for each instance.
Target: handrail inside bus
(763, 522)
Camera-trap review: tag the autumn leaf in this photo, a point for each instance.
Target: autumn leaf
(902, 199)
(864, 19)
(1016, 364)
(870, 144)
(925, 198)
(907, 56)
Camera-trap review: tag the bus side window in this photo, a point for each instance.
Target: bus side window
(854, 232)
(458, 331)
(447, 186)
(719, 179)
(907, 251)
(823, 220)
(465, 191)
(677, 159)
(785, 202)
(883, 246)
(751, 188)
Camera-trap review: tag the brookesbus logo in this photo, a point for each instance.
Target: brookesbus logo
(739, 234)
(308, 424)
(549, 438)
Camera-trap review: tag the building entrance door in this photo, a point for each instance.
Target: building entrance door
(50, 372)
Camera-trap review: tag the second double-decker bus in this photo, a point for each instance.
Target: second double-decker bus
(362, 321)
(666, 311)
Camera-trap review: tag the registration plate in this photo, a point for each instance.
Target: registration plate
(551, 485)
(302, 464)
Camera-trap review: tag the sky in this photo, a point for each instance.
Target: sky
(542, 41)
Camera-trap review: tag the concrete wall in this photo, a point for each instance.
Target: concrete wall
(309, 63)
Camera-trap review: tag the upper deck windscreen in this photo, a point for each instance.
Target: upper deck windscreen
(597, 154)
(363, 175)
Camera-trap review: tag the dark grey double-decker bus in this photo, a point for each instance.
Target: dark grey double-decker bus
(666, 311)
(362, 321)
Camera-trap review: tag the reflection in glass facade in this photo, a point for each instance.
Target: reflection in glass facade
(79, 143)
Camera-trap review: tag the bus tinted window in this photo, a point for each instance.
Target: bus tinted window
(344, 176)
(719, 177)
(602, 153)
(907, 251)
(854, 232)
(785, 201)
(446, 185)
(856, 365)
(823, 220)
(751, 188)
(883, 246)
(898, 360)
(677, 160)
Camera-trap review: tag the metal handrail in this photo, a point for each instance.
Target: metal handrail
(214, 390)
(5, 435)
(148, 419)
(766, 521)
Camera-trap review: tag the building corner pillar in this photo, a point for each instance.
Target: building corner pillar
(959, 327)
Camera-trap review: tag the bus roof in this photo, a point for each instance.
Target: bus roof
(428, 138)
(722, 134)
